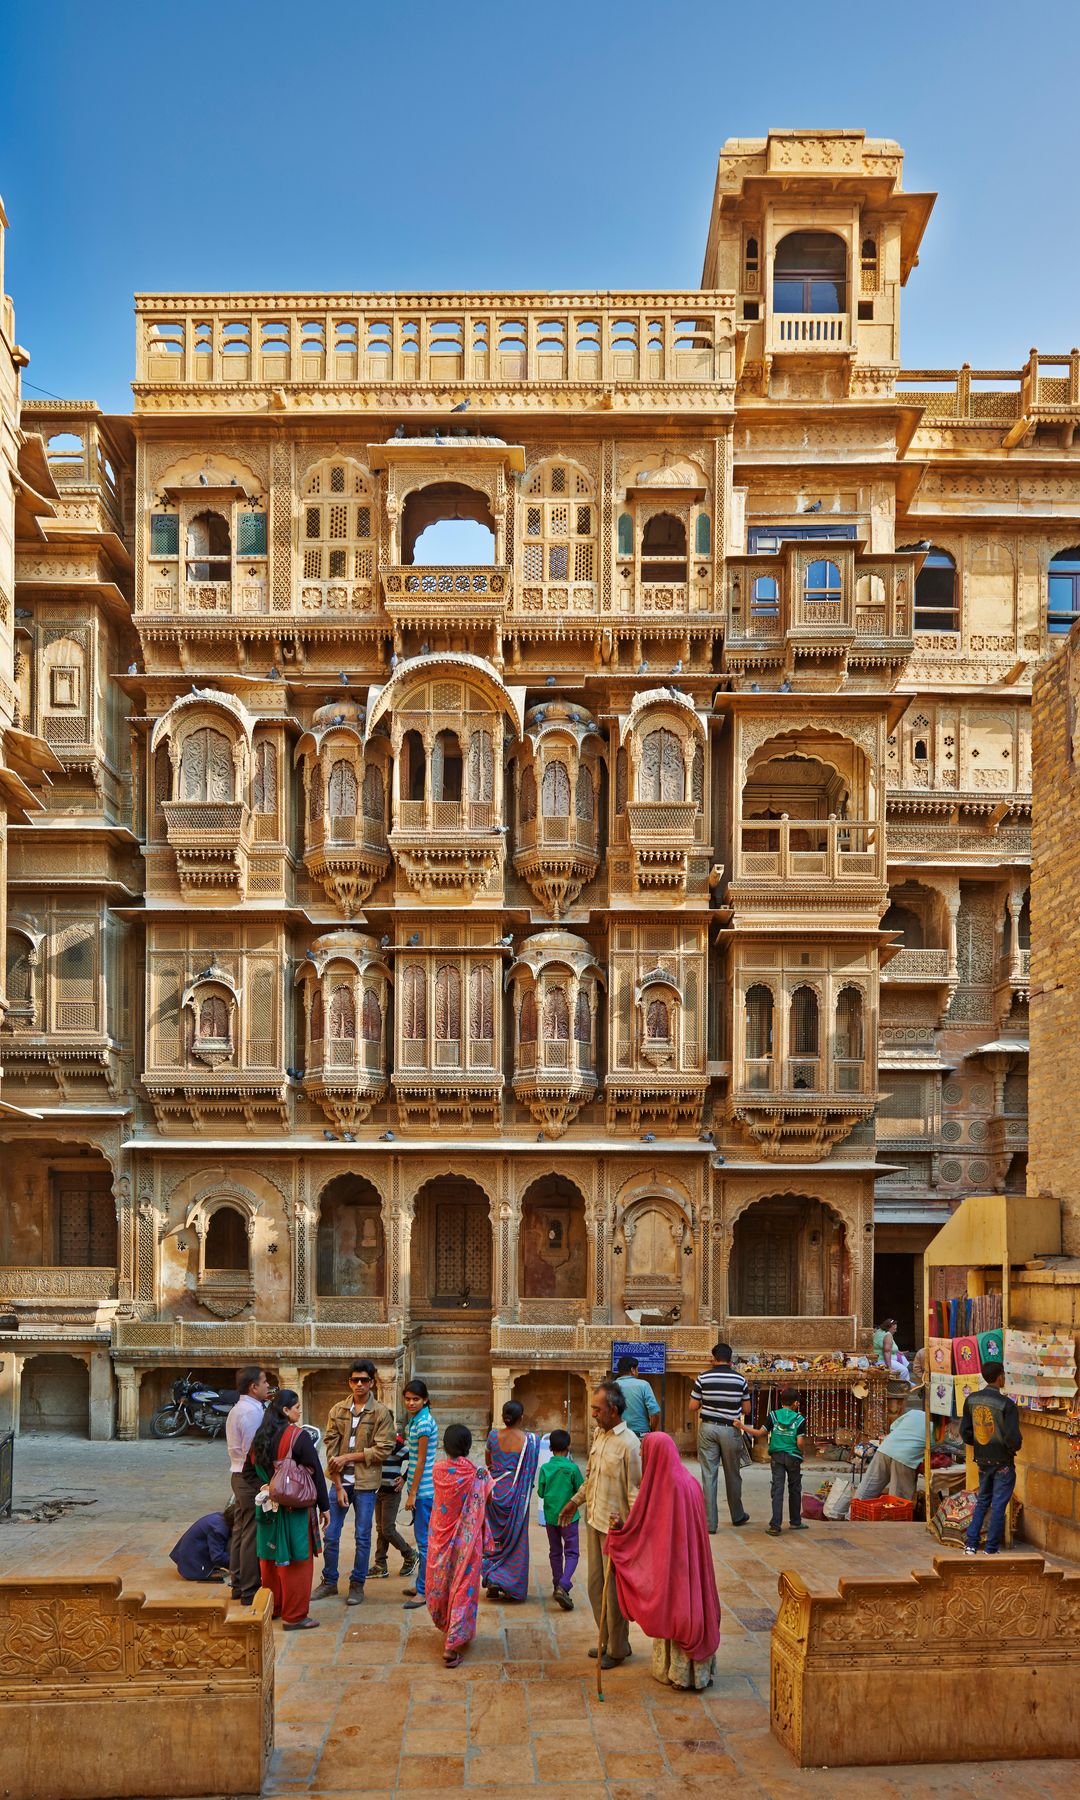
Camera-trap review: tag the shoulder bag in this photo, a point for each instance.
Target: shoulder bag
(291, 1485)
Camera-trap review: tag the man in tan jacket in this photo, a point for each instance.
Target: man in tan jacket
(359, 1437)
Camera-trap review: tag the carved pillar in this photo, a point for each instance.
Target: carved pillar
(146, 1247)
(288, 1376)
(599, 1287)
(127, 1412)
(102, 1390)
(386, 1386)
(398, 1226)
(951, 896)
(502, 1390)
(10, 1391)
(505, 1215)
(125, 1242)
(1015, 903)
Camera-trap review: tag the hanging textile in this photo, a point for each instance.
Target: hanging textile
(965, 1385)
(966, 1356)
(941, 1395)
(991, 1346)
(939, 1356)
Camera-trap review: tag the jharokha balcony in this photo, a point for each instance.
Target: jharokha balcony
(211, 839)
(817, 608)
(830, 851)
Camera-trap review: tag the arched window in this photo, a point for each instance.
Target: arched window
(527, 1019)
(206, 766)
(213, 1020)
(556, 1016)
(765, 596)
(583, 1018)
(374, 794)
(447, 1005)
(446, 768)
(342, 791)
(908, 923)
(209, 548)
(341, 1013)
(848, 1052)
(821, 583)
(937, 607)
(19, 977)
(527, 798)
(315, 795)
(584, 798)
(481, 768)
(804, 1038)
(264, 783)
(558, 525)
(316, 1026)
(371, 1017)
(759, 1036)
(227, 1242)
(413, 767)
(413, 1004)
(662, 774)
(337, 531)
(663, 549)
(658, 1021)
(481, 1006)
(810, 273)
(556, 791)
(1063, 592)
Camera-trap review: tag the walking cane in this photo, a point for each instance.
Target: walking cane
(602, 1632)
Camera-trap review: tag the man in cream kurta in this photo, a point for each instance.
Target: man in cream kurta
(612, 1479)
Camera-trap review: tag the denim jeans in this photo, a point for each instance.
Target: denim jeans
(786, 1471)
(995, 1491)
(421, 1522)
(364, 1502)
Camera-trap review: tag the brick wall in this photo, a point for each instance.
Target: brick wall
(1054, 1086)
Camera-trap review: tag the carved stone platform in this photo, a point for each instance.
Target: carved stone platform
(973, 1661)
(103, 1695)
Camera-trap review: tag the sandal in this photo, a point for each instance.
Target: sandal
(453, 1659)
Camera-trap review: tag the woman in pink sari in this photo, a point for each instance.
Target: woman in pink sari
(456, 1543)
(661, 1561)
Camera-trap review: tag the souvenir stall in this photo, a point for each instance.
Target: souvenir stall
(843, 1397)
(986, 1238)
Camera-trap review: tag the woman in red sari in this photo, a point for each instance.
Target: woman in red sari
(456, 1543)
(662, 1564)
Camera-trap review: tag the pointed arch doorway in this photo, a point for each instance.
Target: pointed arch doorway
(451, 1247)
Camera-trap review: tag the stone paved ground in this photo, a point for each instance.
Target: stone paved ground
(366, 1708)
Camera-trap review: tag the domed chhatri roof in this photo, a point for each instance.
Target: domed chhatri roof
(201, 698)
(356, 947)
(556, 947)
(338, 710)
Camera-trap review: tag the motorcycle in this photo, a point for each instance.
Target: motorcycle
(193, 1403)
(206, 1408)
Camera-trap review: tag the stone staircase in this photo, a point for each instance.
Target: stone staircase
(454, 1358)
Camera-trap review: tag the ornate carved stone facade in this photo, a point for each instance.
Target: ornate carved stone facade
(469, 962)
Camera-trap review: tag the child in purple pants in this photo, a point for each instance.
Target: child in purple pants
(559, 1478)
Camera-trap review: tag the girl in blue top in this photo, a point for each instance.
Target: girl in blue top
(423, 1438)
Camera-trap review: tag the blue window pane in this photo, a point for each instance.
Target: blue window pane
(826, 297)
(704, 535)
(787, 295)
(164, 534)
(626, 535)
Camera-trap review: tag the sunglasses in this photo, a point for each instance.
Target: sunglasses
(354, 1379)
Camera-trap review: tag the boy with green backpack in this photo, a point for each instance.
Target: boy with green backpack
(786, 1426)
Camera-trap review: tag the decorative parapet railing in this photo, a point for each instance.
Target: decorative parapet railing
(917, 965)
(1046, 388)
(418, 594)
(811, 331)
(550, 1338)
(808, 849)
(26, 1282)
(270, 1339)
(526, 339)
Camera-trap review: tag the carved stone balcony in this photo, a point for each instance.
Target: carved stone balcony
(347, 856)
(554, 1080)
(349, 1079)
(448, 848)
(918, 968)
(662, 836)
(47, 1297)
(452, 1082)
(782, 854)
(211, 840)
(452, 596)
(799, 1124)
(557, 857)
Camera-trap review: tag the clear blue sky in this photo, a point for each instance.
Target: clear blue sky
(275, 147)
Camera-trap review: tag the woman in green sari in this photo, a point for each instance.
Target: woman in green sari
(287, 1538)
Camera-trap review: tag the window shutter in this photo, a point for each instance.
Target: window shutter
(164, 534)
(251, 534)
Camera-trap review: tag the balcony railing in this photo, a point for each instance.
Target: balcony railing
(431, 591)
(555, 834)
(340, 833)
(445, 816)
(1048, 386)
(810, 849)
(528, 338)
(672, 822)
(817, 331)
(917, 965)
(31, 1282)
(212, 822)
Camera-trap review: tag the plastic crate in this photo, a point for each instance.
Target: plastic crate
(886, 1506)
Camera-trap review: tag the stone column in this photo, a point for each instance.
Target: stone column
(502, 1390)
(102, 1397)
(289, 1377)
(397, 1228)
(10, 1391)
(127, 1412)
(505, 1218)
(386, 1386)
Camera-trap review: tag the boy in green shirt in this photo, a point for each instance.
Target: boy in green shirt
(786, 1426)
(559, 1478)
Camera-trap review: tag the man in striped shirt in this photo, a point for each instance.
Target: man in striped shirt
(721, 1398)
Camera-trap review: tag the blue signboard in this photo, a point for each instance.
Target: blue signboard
(651, 1359)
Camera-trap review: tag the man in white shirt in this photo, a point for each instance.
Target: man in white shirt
(240, 1427)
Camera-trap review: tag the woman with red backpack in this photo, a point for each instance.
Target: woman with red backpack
(286, 1528)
